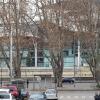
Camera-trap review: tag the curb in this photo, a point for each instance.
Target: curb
(65, 89)
(69, 90)
(77, 89)
(80, 89)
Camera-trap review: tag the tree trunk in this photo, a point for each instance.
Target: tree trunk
(17, 72)
(59, 76)
(97, 77)
(59, 81)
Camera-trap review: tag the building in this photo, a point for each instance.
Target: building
(33, 61)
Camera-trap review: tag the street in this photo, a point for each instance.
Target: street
(77, 86)
(81, 91)
(76, 95)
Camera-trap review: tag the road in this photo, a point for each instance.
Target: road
(76, 86)
(69, 94)
(76, 95)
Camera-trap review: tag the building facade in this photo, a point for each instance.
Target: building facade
(34, 57)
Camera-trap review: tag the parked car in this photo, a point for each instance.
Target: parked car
(6, 96)
(68, 80)
(19, 83)
(5, 90)
(37, 96)
(24, 94)
(13, 90)
(51, 94)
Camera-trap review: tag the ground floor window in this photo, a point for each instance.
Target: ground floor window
(28, 59)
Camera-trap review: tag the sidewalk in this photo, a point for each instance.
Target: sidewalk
(78, 87)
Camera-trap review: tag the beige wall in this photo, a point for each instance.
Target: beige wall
(30, 72)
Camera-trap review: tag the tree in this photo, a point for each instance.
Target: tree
(79, 17)
(56, 37)
(86, 20)
(13, 21)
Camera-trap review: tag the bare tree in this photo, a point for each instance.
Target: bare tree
(53, 31)
(79, 16)
(57, 21)
(13, 20)
(86, 19)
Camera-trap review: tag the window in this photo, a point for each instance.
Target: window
(40, 62)
(40, 59)
(40, 53)
(5, 1)
(32, 54)
(30, 62)
(4, 96)
(66, 53)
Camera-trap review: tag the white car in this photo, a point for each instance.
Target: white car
(6, 96)
(51, 94)
(4, 90)
(37, 96)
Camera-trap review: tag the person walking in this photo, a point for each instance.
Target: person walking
(27, 83)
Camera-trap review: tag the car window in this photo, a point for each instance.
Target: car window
(23, 90)
(12, 88)
(51, 91)
(19, 83)
(68, 78)
(4, 96)
(37, 95)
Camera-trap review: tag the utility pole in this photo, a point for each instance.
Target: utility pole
(74, 53)
(1, 76)
(78, 59)
(35, 46)
(96, 33)
(10, 37)
(11, 68)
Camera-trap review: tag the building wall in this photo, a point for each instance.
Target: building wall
(28, 58)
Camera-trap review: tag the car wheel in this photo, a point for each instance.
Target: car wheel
(73, 82)
(70, 82)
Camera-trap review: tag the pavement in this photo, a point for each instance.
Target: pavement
(77, 86)
(85, 86)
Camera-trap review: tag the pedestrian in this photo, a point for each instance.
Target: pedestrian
(19, 93)
(27, 83)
